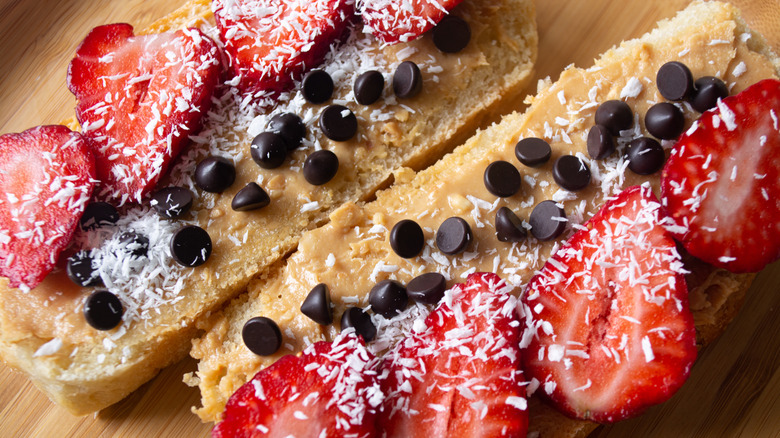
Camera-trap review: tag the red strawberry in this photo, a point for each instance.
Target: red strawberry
(47, 179)
(721, 183)
(608, 330)
(139, 97)
(271, 43)
(461, 376)
(329, 391)
(394, 21)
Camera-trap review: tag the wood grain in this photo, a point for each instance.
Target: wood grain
(734, 389)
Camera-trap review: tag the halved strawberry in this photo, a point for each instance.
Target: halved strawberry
(461, 376)
(394, 21)
(608, 330)
(139, 97)
(721, 183)
(329, 391)
(272, 43)
(47, 178)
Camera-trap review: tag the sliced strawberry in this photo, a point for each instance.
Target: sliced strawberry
(329, 391)
(47, 178)
(139, 97)
(721, 183)
(271, 43)
(394, 21)
(608, 330)
(461, 376)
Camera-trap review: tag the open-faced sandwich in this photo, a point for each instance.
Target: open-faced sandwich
(619, 219)
(205, 148)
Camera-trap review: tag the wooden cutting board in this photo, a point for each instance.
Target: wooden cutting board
(734, 389)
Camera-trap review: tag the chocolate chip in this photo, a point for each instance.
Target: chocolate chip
(532, 151)
(368, 87)
(601, 143)
(452, 34)
(98, 214)
(136, 245)
(103, 310)
(407, 80)
(338, 123)
(320, 167)
(453, 236)
(262, 336)
(427, 288)
(268, 150)
(81, 269)
(290, 127)
(616, 115)
(674, 81)
(407, 238)
(172, 202)
(215, 174)
(645, 156)
(191, 246)
(317, 305)
(317, 86)
(359, 320)
(571, 173)
(502, 179)
(509, 227)
(547, 220)
(251, 197)
(665, 121)
(388, 298)
(706, 92)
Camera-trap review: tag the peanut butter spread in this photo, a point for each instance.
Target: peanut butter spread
(162, 299)
(352, 252)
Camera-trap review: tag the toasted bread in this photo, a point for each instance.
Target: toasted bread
(710, 38)
(85, 370)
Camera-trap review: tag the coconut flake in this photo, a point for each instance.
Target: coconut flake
(49, 348)
(631, 89)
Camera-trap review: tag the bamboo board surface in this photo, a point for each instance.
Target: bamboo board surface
(734, 389)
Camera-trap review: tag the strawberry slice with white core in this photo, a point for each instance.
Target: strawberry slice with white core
(721, 183)
(395, 21)
(139, 98)
(329, 391)
(47, 178)
(271, 43)
(460, 376)
(608, 329)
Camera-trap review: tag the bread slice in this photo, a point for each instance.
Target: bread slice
(43, 332)
(352, 253)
